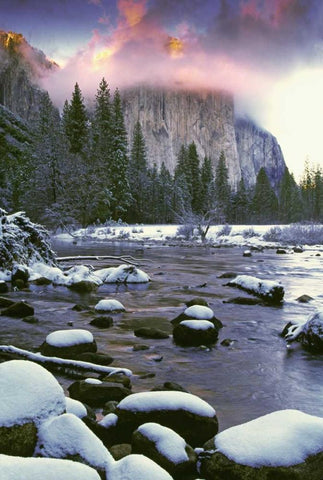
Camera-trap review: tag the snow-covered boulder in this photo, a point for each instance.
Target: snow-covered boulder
(279, 443)
(270, 291)
(198, 312)
(308, 332)
(14, 468)
(68, 343)
(195, 332)
(122, 274)
(67, 437)
(166, 448)
(188, 415)
(109, 305)
(97, 394)
(136, 467)
(29, 395)
(75, 407)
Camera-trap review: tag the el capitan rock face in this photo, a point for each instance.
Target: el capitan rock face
(170, 118)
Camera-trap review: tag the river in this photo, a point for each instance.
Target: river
(254, 376)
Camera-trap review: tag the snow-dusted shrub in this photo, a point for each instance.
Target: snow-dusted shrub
(22, 241)
(225, 231)
(185, 231)
(305, 234)
(249, 233)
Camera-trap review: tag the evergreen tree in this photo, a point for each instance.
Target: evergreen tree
(307, 192)
(75, 122)
(194, 177)
(207, 186)
(165, 195)
(318, 195)
(264, 202)
(222, 189)
(138, 175)
(153, 188)
(290, 202)
(240, 204)
(119, 186)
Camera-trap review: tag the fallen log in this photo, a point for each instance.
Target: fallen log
(126, 259)
(62, 364)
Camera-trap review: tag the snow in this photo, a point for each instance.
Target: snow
(199, 312)
(28, 393)
(168, 442)
(122, 274)
(64, 362)
(76, 274)
(67, 435)
(68, 338)
(13, 468)
(281, 438)
(109, 305)
(263, 287)
(109, 420)
(197, 324)
(5, 275)
(93, 381)
(136, 467)
(150, 401)
(75, 407)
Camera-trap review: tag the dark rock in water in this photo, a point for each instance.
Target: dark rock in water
(142, 443)
(71, 351)
(193, 427)
(31, 320)
(244, 301)
(3, 287)
(42, 281)
(228, 275)
(176, 321)
(281, 251)
(188, 335)
(5, 302)
(247, 253)
(318, 255)
(139, 347)
(147, 375)
(102, 322)
(94, 357)
(169, 386)
(110, 407)
(19, 272)
(83, 286)
(97, 394)
(150, 332)
(120, 451)
(271, 292)
(197, 301)
(227, 342)
(19, 310)
(310, 333)
(19, 284)
(18, 440)
(304, 299)
(118, 377)
(80, 307)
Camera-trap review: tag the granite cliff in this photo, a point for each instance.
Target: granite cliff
(170, 118)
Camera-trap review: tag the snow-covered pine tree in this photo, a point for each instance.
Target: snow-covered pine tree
(222, 189)
(138, 175)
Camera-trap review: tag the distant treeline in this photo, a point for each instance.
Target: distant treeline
(78, 169)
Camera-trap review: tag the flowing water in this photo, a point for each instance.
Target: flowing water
(256, 375)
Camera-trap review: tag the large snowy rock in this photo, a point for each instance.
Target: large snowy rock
(195, 332)
(270, 291)
(29, 395)
(136, 467)
(198, 312)
(122, 274)
(109, 305)
(308, 332)
(166, 448)
(188, 415)
(282, 444)
(68, 437)
(68, 343)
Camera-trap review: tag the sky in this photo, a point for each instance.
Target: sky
(268, 53)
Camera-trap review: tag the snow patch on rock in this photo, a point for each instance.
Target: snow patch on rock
(199, 312)
(75, 407)
(122, 274)
(68, 338)
(197, 324)
(136, 467)
(109, 305)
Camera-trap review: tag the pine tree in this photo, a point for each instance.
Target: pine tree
(307, 192)
(75, 122)
(138, 175)
(207, 186)
(264, 202)
(119, 186)
(222, 189)
(165, 195)
(194, 177)
(290, 202)
(240, 204)
(318, 195)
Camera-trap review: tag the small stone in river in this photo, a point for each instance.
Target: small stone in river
(19, 310)
(227, 342)
(30, 319)
(79, 307)
(298, 249)
(3, 287)
(138, 347)
(281, 251)
(102, 322)
(147, 375)
(247, 253)
(169, 386)
(150, 332)
(70, 324)
(97, 358)
(118, 378)
(228, 275)
(304, 299)
(197, 301)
